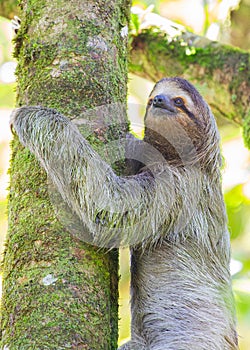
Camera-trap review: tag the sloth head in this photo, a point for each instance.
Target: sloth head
(179, 123)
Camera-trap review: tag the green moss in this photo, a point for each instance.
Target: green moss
(106, 73)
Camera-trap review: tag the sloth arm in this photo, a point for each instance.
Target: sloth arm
(124, 210)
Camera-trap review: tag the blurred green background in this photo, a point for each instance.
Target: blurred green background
(223, 20)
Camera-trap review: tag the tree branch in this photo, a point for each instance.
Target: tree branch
(220, 72)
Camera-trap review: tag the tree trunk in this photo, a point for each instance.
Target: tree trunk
(59, 292)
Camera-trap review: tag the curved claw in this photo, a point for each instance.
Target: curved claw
(16, 24)
(11, 122)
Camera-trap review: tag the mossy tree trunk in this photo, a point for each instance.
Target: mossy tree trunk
(59, 292)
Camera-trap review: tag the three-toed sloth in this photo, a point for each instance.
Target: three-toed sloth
(170, 211)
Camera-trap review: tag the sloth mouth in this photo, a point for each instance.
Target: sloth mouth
(167, 110)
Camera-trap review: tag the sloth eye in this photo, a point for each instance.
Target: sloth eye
(178, 101)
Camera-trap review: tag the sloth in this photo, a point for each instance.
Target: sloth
(169, 209)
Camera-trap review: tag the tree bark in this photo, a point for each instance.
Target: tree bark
(59, 292)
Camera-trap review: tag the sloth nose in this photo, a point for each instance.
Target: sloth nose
(160, 101)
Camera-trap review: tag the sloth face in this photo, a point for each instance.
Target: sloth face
(178, 121)
(176, 98)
